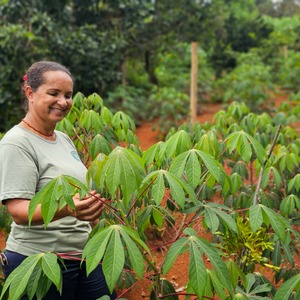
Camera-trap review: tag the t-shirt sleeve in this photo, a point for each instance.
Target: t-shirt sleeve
(18, 173)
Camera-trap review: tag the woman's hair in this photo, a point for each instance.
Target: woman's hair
(34, 76)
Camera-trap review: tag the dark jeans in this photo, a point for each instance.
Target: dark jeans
(76, 284)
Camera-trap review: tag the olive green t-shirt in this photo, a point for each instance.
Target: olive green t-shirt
(27, 163)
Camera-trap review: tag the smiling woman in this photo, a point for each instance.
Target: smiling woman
(32, 153)
(49, 97)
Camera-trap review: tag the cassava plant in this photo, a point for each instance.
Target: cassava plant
(175, 180)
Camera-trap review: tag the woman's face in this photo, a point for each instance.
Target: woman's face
(52, 101)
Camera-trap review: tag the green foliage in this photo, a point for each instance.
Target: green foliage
(94, 128)
(289, 72)
(170, 107)
(34, 276)
(246, 246)
(288, 288)
(179, 176)
(130, 100)
(108, 245)
(249, 82)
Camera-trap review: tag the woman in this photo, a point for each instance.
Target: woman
(31, 154)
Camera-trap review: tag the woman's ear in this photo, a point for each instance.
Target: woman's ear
(29, 93)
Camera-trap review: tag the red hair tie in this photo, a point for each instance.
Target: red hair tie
(25, 77)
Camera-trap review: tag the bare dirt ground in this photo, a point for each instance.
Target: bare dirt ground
(179, 273)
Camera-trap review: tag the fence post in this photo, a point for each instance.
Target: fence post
(194, 76)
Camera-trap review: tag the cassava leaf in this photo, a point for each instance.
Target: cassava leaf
(54, 195)
(176, 249)
(177, 143)
(134, 254)
(99, 144)
(158, 189)
(255, 216)
(216, 261)
(19, 278)
(114, 258)
(197, 270)
(286, 289)
(211, 219)
(279, 224)
(94, 249)
(52, 269)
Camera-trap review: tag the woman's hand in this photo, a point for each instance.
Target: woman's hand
(89, 208)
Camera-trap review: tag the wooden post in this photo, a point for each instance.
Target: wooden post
(194, 76)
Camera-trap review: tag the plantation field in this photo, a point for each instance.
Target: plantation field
(148, 135)
(159, 240)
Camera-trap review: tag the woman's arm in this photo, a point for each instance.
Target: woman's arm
(87, 209)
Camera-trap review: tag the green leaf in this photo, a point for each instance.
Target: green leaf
(286, 289)
(33, 282)
(95, 248)
(294, 183)
(158, 217)
(211, 219)
(114, 258)
(237, 181)
(211, 164)
(235, 272)
(177, 143)
(19, 278)
(240, 140)
(216, 261)
(255, 216)
(54, 195)
(217, 285)
(99, 144)
(279, 224)
(288, 204)
(52, 269)
(158, 189)
(176, 189)
(152, 154)
(95, 169)
(276, 254)
(267, 175)
(168, 289)
(122, 121)
(134, 235)
(193, 170)
(225, 217)
(197, 270)
(172, 254)
(134, 254)
(43, 287)
(123, 170)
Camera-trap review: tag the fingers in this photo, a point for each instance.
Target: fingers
(90, 207)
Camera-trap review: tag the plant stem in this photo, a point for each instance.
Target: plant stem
(255, 198)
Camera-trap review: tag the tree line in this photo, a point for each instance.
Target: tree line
(108, 44)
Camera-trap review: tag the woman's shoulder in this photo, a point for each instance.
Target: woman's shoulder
(15, 135)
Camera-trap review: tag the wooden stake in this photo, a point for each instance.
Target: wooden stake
(194, 76)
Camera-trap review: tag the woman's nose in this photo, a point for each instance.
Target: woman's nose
(62, 101)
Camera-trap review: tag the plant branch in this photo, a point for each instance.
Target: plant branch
(138, 197)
